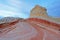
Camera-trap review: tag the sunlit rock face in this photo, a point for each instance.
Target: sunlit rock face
(33, 28)
(38, 11)
(41, 12)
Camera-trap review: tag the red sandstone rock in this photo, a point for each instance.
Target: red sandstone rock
(31, 29)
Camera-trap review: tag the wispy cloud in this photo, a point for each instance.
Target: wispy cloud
(11, 9)
(14, 3)
(7, 7)
(15, 8)
(5, 13)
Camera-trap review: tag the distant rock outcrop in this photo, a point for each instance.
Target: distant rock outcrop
(9, 19)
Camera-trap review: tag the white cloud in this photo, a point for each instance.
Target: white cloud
(7, 7)
(5, 13)
(15, 3)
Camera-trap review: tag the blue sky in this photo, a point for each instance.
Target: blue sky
(21, 8)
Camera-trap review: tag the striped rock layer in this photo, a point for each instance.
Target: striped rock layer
(30, 29)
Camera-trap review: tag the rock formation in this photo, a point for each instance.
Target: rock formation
(9, 19)
(37, 27)
(41, 12)
(38, 11)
